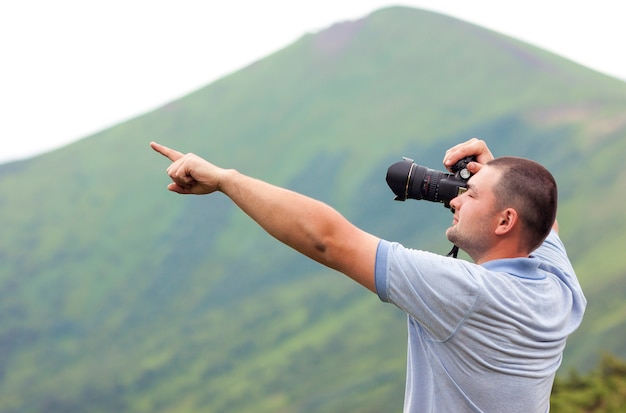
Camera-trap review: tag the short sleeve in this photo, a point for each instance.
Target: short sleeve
(438, 292)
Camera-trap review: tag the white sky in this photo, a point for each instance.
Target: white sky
(70, 68)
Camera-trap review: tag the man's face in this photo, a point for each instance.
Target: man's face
(475, 220)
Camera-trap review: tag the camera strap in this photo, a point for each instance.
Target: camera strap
(453, 252)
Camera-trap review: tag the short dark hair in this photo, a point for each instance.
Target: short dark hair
(531, 190)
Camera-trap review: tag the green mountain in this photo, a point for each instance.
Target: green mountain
(116, 295)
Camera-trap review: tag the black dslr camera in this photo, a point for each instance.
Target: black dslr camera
(410, 180)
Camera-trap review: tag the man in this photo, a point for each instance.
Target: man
(486, 336)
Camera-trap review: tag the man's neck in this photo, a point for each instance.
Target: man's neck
(500, 252)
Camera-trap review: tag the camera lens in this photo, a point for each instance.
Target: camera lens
(410, 180)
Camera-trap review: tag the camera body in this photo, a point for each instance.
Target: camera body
(410, 180)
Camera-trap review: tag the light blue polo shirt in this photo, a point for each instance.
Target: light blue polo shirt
(482, 338)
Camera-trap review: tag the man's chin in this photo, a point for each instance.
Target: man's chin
(450, 233)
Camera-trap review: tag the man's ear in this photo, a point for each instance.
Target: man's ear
(507, 221)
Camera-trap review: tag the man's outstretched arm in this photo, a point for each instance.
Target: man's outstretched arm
(309, 226)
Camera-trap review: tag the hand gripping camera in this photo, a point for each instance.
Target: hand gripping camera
(410, 180)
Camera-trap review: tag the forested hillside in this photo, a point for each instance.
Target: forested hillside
(116, 295)
(601, 390)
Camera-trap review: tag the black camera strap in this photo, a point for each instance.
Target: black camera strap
(453, 252)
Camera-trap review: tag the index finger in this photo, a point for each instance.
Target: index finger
(172, 154)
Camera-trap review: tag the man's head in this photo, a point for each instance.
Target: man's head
(509, 208)
(531, 189)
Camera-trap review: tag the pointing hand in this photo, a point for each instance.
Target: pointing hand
(190, 173)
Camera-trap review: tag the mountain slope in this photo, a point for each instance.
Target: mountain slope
(120, 296)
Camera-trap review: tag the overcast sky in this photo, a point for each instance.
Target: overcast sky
(71, 68)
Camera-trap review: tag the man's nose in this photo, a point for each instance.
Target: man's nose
(454, 204)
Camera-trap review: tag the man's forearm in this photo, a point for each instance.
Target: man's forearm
(286, 215)
(307, 225)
